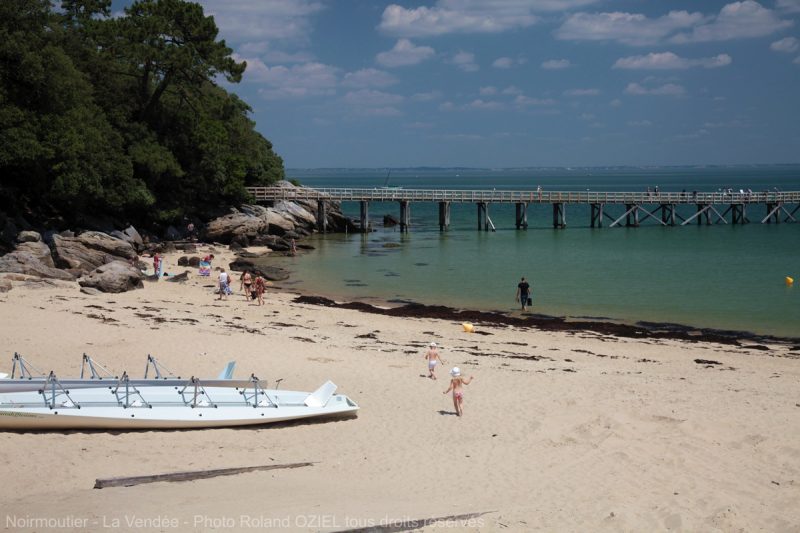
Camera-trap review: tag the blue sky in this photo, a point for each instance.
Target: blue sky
(508, 83)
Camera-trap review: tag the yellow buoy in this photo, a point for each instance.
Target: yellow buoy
(468, 327)
(789, 281)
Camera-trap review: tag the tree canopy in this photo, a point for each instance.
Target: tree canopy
(122, 115)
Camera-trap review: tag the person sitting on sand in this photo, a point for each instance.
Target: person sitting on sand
(456, 385)
(433, 358)
(223, 284)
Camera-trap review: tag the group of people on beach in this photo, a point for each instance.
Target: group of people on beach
(251, 284)
(457, 382)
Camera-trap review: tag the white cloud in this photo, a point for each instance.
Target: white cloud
(487, 91)
(790, 6)
(368, 77)
(403, 54)
(626, 28)
(787, 44)
(244, 20)
(616, 102)
(465, 61)
(503, 62)
(581, 92)
(298, 81)
(587, 116)
(556, 64)
(640, 123)
(512, 90)
(484, 104)
(736, 20)
(525, 101)
(669, 60)
(469, 16)
(796, 60)
(668, 89)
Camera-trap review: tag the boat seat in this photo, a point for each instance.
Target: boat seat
(320, 397)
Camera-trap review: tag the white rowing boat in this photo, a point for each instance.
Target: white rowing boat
(28, 402)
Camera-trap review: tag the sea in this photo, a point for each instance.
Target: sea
(722, 276)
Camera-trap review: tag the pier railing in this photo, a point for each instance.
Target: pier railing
(517, 197)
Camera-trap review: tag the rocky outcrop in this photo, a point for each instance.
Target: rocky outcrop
(227, 228)
(267, 272)
(30, 264)
(116, 276)
(90, 250)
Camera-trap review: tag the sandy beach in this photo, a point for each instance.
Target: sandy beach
(562, 430)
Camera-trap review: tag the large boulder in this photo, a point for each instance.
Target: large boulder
(226, 228)
(39, 249)
(90, 250)
(116, 276)
(29, 236)
(294, 211)
(270, 273)
(30, 263)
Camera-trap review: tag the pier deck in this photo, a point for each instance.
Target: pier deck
(779, 206)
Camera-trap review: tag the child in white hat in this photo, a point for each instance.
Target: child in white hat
(456, 385)
(433, 358)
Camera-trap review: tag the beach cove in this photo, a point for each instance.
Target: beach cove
(562, 430)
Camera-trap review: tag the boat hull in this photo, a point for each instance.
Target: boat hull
(161, 407)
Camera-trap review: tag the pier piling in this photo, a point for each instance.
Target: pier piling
(444, 216)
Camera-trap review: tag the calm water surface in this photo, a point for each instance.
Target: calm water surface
(721, 276)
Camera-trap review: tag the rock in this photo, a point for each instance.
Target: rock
(130, 235)
(30, 263)
(278, 223)
(235, 247)
(296, 212)
(188, 247)
(179, 278)
(90, 250)
(250, 255)
(194, 261)
(5, 285)
(116, 276)
(301, 246)
(241, 240)
(183, 261)
(168, 247)
(390, 221)
(291, 235)
(39, 249)
(224, 229)
(273, 273)
(268, 272)
(29, 236)
(90, 290)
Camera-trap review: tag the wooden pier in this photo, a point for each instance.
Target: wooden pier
(630, 208)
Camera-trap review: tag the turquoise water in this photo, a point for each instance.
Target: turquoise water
(721, 276)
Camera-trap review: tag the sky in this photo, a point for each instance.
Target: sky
(515, 83)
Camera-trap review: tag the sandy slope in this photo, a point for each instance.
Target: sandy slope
(599, 433)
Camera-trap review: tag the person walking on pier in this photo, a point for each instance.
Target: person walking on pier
(523, 293)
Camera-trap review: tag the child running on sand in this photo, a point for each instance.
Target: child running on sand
(433, 359)
(456, 384)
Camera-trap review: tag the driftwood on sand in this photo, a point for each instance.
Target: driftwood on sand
(188, 476)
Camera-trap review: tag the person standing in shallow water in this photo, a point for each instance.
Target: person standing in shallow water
(523, 292)
(456, 385)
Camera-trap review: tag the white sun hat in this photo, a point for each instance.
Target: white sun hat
(432, 345)
(455, 372)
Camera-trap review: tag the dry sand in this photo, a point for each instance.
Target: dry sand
(561, 432)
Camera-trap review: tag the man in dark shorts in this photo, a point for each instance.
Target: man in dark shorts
(523, 293)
